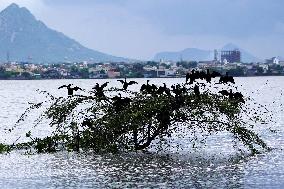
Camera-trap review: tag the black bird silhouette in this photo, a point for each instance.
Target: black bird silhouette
(119, 103)
(87, 122)
(191, 77)
(147, 88)
(224, 92)
(179, 98)
(226, 79)
(201, 75)
(178, 90)
(164, 89)
(187, 77)
(144, 87)
(215, 74)
(99, 90)
(208, 76)
(239, 96)
(233, 96)
(154, 88)
(126, 84)
(70, 89)
(97, 87)
(196, 91)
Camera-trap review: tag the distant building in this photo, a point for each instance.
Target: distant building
(161, 72)
(273, 60)
(113, 73)
(231, 56)
(216, 55)
(170, 72)
(264, 67)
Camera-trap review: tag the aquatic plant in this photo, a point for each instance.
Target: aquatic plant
(114, 119)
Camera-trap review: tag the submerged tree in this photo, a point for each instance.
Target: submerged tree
(114, 119)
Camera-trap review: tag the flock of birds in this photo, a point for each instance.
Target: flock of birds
(152, 89)
(194, 75)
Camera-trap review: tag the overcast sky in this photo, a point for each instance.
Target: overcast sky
(141, 28)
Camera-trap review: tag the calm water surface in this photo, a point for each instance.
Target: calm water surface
(216, 165)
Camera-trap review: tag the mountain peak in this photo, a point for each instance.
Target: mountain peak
(246, 56)
(24, 37)
(189, 54)
(14, 10)
(230, 46)
(13, 6)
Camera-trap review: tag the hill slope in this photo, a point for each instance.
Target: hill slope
(22, 36)
(191, 54)
(194, 54)
(245, 56)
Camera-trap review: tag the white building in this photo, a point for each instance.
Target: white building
(273, 60)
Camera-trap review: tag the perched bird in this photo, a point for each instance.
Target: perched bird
(215, 74)
(227, 79)
(178, 90)
(196, 90)
(87, 122)
(119, 102)
(224, 92)
(208, 76)
(191, 77)
(126, 84)
(154, 88)
(233, 96)
(187, 77)
(70, 89)
(164, 89)
(201, 75)
(145, 87)
(239, 96)
(97, 87)
(179, 98)
(148, 89)
(99, 90)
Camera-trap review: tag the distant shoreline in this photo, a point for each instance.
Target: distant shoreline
(127, 78)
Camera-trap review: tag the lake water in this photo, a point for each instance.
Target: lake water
(214, 166)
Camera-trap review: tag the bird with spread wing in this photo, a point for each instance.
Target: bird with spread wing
(70, 89)
(126, 84)
(99, 90)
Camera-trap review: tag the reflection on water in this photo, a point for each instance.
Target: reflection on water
(203, 168)
(122, 170)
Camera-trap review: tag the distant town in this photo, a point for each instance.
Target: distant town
(224, 61)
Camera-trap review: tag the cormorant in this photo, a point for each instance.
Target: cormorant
(119, 102)
(126, 84)
(191, 77)
(196, 90)
(149, 89)
(99, 90)
(164, 89)
(226, 79)
(233, 96)
(70, 89)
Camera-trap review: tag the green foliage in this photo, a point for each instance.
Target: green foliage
(239, 71)
(26, 75)
(152, 63)
(102, 72)
(165, 65)
(4, 148)
(126, 120)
